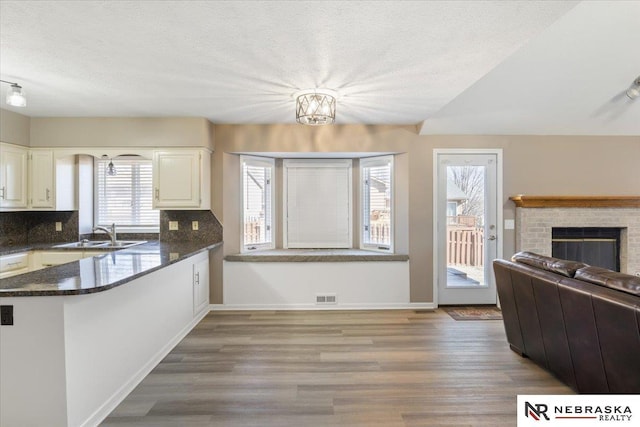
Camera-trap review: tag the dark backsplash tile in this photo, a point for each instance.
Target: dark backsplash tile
(209, 228)
(21, 228)
(13, 228)
(27, 227)
(42, 227)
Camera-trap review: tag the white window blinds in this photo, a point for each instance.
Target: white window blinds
(126, 197)
(377, 202)
(318, 203)
(257, 203)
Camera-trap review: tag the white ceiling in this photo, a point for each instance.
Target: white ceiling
(452, 66)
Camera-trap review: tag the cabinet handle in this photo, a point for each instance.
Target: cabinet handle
(198, 278)
(157, 193)
(2, 192)
(48, 193)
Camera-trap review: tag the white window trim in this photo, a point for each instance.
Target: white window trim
(372, 162)
(317, 163)
(264, 162)
(119, 229)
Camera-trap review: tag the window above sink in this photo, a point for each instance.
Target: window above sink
(123, 194)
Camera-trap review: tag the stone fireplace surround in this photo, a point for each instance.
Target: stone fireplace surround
(537, 215)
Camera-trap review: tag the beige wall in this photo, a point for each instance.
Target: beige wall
(534, 165)
(121, 132)
(14, 128)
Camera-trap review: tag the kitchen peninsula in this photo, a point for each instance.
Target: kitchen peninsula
(85, 333)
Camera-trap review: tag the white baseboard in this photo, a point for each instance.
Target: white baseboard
(407, 306)
(103, 412)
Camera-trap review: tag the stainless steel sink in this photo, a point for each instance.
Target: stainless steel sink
(101, 244)
(124, 244)
(84, 244)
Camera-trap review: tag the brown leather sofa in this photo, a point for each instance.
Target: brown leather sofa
(581, 323)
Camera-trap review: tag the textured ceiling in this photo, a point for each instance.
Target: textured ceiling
(240, 62)
(569, 80)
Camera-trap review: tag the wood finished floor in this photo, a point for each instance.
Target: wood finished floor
(336, 368)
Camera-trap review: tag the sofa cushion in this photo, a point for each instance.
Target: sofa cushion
(611, 279)
(555, 265)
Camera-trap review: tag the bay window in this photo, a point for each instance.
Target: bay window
(257, 203)
(317, 203)
(376, 203)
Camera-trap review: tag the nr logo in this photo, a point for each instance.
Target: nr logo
(536, 411)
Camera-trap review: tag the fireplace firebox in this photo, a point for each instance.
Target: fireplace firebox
(596, 246)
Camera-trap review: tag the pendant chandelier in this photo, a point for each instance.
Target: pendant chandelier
(316, 107)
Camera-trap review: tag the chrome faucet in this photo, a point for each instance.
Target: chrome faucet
(111, 233)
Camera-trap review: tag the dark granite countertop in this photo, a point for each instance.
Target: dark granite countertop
(98, 273)
(315, 255)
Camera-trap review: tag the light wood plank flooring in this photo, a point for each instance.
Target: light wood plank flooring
(336, 368)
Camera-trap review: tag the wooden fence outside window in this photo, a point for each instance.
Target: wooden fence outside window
(465, 246)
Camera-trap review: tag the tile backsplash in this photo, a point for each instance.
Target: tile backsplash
(28, 227)
(21, 228)
(209, 228)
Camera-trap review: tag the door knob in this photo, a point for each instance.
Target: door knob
(492, 237)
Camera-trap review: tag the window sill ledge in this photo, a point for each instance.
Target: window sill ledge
(315, 255)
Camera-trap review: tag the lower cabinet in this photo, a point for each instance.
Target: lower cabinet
(76, 357)
(14, 264)
(24, 262)
(42, 259)
(200, 286)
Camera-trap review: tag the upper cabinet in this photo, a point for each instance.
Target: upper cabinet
(51, 180)
(181, 179)
(13, 176)
(42, 180)
(36, 179)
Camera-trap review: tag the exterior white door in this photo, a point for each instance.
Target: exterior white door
(467, 225)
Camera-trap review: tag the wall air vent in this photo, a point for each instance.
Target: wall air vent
(326, 299)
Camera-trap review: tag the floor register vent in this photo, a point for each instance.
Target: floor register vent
(326, 299)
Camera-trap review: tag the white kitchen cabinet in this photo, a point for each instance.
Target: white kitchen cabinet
(36, 179)
(200, 285)
(42, 259)
(24, 262)
(52, 181)
(181, 179)
(42, 179)
(14, 264)
(13, 176)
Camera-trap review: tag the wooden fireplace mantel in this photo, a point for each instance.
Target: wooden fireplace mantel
(522, 201)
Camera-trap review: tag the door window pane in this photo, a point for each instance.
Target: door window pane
(465, 226)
